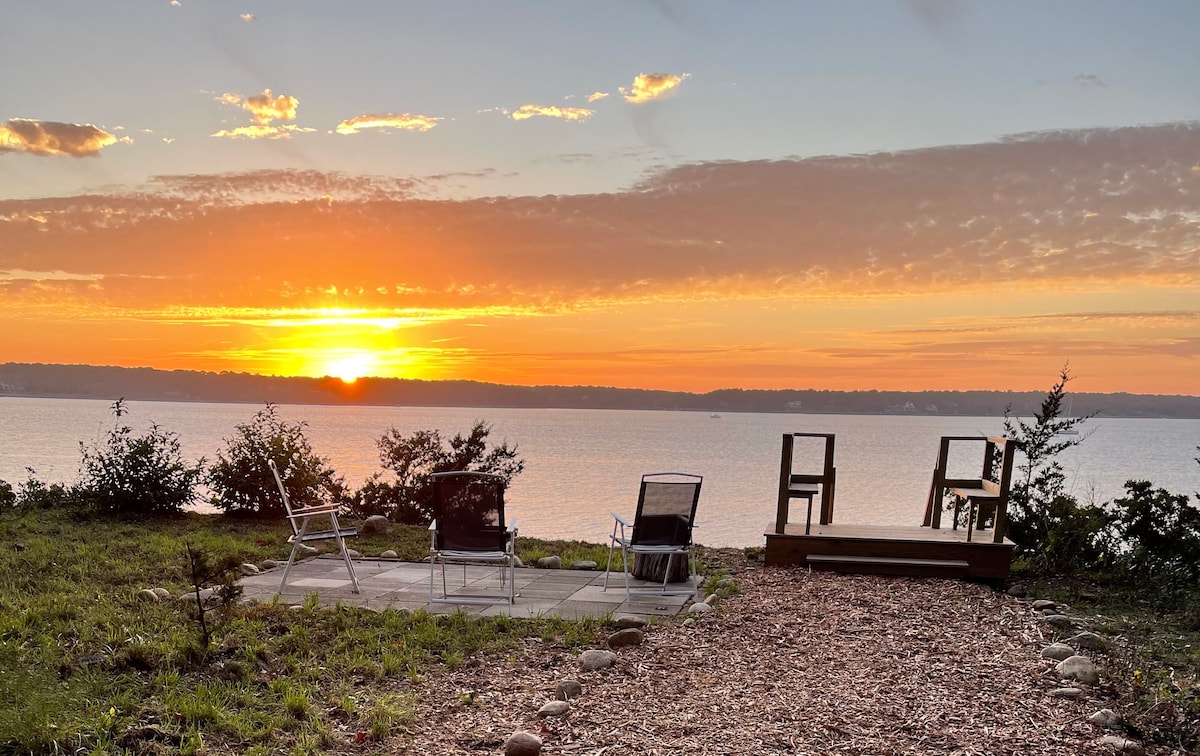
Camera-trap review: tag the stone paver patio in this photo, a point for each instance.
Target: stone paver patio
(392, 584)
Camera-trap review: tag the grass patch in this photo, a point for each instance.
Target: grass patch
(87, 666)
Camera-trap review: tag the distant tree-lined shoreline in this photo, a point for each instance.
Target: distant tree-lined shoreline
(150, 384)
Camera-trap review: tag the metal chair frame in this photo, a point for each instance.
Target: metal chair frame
(301, 534)
(505, 557)
(627, 536)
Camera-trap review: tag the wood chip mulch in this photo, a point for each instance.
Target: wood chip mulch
(798, 663)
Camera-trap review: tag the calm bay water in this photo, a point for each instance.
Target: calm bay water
(583, 464)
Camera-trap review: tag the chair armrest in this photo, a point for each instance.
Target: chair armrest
(512, 526)
(619, 519)
(433, 525)
(311, 511)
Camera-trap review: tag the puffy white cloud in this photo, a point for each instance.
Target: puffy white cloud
(54, 139)
(647, 87)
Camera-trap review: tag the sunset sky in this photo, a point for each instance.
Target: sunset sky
(675, 194)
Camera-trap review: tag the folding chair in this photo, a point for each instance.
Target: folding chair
(468, 528)
(666, 513)
(302, 535)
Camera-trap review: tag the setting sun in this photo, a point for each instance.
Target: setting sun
(350, 367)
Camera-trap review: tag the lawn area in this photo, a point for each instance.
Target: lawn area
(86, 665)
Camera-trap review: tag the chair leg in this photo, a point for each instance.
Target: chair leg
(297, 542)
(625, 568)
(667, 574)
(608, 564)
(337, 536)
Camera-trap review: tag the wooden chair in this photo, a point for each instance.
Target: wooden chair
(301, 534)
(662, 525)
(985, 496)
(469, 528)
(806, 485)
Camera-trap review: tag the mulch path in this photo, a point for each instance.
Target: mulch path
(797, 663)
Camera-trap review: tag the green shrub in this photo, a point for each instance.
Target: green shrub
(1160, 536)
(408, 498)
(143, 474)
(8, 497)
(242, 482)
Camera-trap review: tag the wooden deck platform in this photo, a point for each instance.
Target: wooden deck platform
(890, 549)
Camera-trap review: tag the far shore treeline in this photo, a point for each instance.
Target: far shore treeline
(149, 384)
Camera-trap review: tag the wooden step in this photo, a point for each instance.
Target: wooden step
(952, 568)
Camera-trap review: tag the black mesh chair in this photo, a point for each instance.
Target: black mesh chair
(469, 529)
(666, 515)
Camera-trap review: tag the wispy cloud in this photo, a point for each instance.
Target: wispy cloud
(54, 139)
(402, 121)
(248, 17)
(647, 87)
(550, 111)
(1089, 80)
(262, 131)
(597, 96)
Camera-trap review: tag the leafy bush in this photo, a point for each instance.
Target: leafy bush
(142, 474)
(408, 498)
(242, 482)
(8, 497)
(1160, 536)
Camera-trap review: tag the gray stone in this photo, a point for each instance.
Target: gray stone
(162, 593)
(1017, 590)
(148, 595)
(553, 709)
(700, 608)
(517, 561)
(1041, 604)
(630, 636)
(353, 554)
(1058, 620)
(269, 564)
(249, 569)
(550, 563)
(523, 744)
(712, 599)
(1105, 718)
(1057, 651)
(568, 689)
(1088, 640)
(376, 525)
(594, 659)
(583, 564)
(1122, 744)
(307, 551)
(629, 620)
(689, 622)
(1078, 668)
(389, 554)
(1066, 693)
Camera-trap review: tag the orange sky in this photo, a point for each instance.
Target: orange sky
(977, 267)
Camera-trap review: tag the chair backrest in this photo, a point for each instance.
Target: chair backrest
(469, 509)
(287, 502)
(666, 509)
